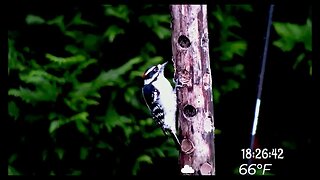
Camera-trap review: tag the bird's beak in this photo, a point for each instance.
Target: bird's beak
(163, 66)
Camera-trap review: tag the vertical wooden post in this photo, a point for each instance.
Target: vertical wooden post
(190, 48)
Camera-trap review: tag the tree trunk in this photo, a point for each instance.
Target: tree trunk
(190, 48)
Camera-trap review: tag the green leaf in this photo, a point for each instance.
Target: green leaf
(33, 19)
(226, 19)
(82, 66)
(33, 63)
(154, 134)
(70, 104)
(121, 12)
(80, 116)
(169, 148)
(284, 44)
(216, 95)
(149, 48)
(287, 29)
(58, 21)
(15, 58)
(131, 98)
(125, 125)
(81, 127)
(162, 32)
(53, 115)
(218, 14)
(308, 36)
(290, 34)
(91, 102)
(80, 119)
(143, 158)
(72, 49)
(229, 49)
(54, 125)
(44, 155)
(46, 92)
(78, 36)
(146, 122)
(156, 152)
(77, 20)
(12, 158)
(111, 118)
(13, 110)
(40, 76)
(153, 20)
(310, 66)
(112, 32)
(247, 8)
(159, 18)
(104, 145)
(69, 60)
(12, 171)
(75, 173)
(230, 85)
(238, 69)
(217, 131)
(60, 152)
(148, 20)
(84, 151)
(298, 60)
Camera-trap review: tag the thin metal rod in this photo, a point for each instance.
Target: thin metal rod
(263, 65)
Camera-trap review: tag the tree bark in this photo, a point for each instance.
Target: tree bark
(190, 48)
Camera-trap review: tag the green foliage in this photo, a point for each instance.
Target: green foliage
(154, 22)
(78, 96)
(112, 32)
(13, 110)
(230, 48)
(290, 36)
(32, 19)
(12, 171)
(77, 20)
(121, 12)
(141, 159)
(15, 59)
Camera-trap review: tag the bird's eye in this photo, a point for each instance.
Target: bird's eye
(155, 69)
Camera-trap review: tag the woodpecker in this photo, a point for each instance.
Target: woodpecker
(160, 97)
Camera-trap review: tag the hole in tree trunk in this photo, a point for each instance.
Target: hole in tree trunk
(205, 169)
(189, 111)
(184, 42)
(187, 146)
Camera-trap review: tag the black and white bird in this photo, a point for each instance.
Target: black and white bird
(160, 98)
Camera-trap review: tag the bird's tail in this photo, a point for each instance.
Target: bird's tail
(176, 140)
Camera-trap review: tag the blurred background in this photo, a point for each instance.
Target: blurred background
(74, 97)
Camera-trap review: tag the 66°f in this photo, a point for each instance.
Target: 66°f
(252, 168)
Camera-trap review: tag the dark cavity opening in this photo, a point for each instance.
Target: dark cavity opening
(189, 111)
(184, 42)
